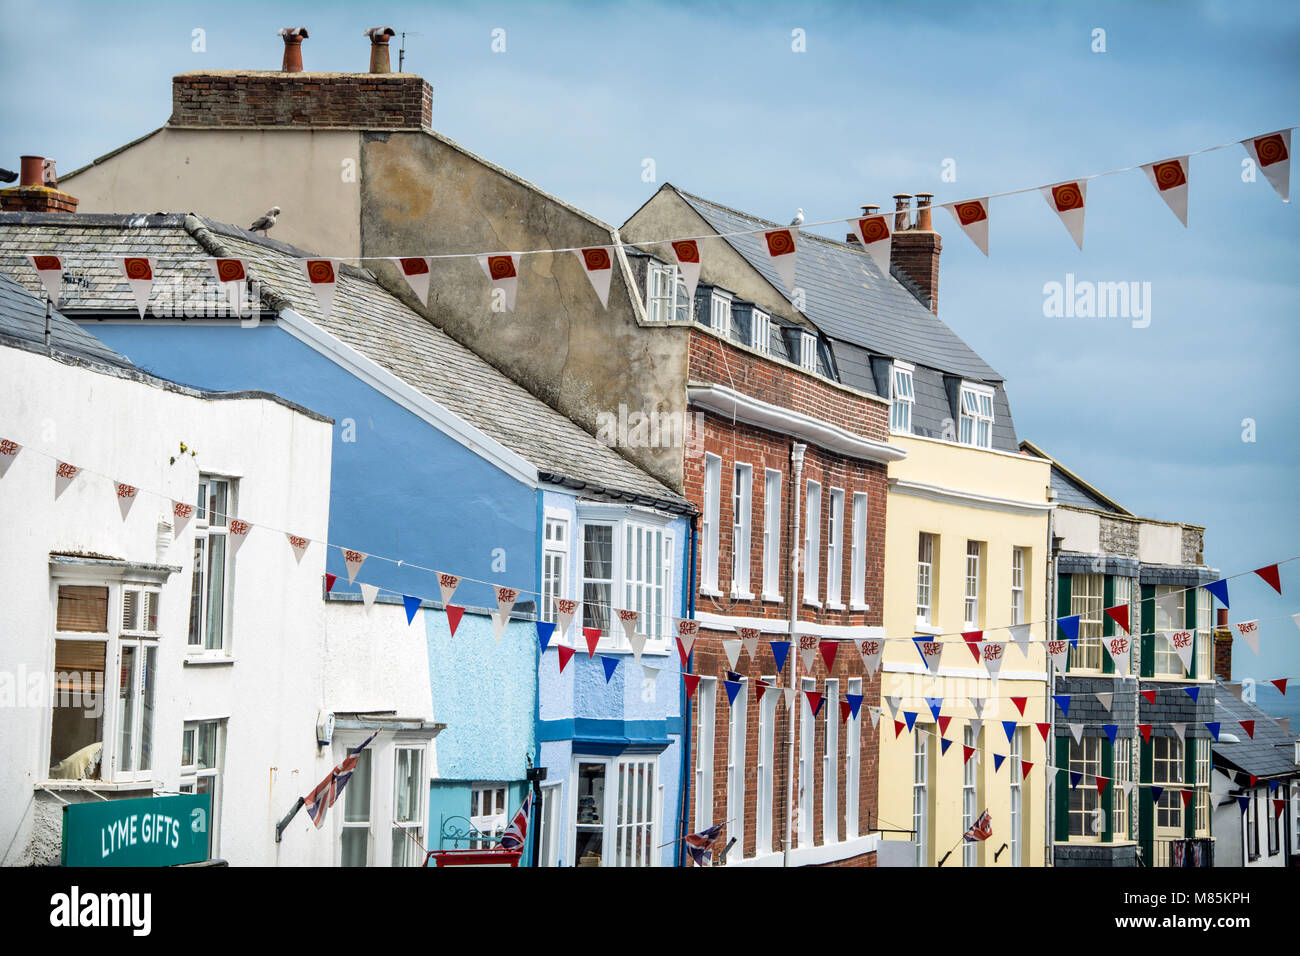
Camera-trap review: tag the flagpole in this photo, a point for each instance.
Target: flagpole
(279, 827)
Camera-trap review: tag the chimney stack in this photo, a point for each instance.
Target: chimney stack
(379, 37)
(868, 210)
(914, 252)
(1222, 646)
(37, 189)
(293, 37)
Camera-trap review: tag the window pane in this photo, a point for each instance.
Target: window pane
(77, 730)
(356, 843)
(83, 609)
(216, 587)
(356, 796)
(148, 678)
(128, 680)
(218, 502)
(196, 593)
(598, 573)
(406, 787)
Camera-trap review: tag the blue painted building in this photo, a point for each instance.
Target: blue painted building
(439, 463)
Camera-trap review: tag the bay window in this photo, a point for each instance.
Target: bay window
(626, 564)
(617, 806)
(386, 800)
(1167, 662)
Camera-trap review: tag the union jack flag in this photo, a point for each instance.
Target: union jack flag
(517, 832)
(329, 789)
(700, 845)
(981, 829)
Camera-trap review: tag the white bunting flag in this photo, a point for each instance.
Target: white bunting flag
(749, 637)
(1119, 647)
(126, 495)
(1168, 603)
(139, 274)
(1180, 730)
(368, 594)
(564, 611)
(976, 724)
(1020, 634)
(298, 544)
(779, 244)
(1296, 619)
(876, 239)
(49, 269)
(686, 634)
(977, 704)
(447, 584)
(875, 717)
(894, 701)
(322, 275)
(1181, 643)
(638, 644)
(1169, 177)
(599, 266)
(973, 217)
(1272, 154)
(931, 652)
(629, 621)
(506, 598)
(687, 254)
(64, 475)
(871, 650)
(353, 560)
(1077, 730)
(8, 452)
(732, 649)
(230, 270)
(182, 512)
(991, 653)
(1067, 200)
(808, 645)
(503, 272)
(499, 622)
(789, 697)
(1059, 651)
(1249, 632)
(237, 532)
(649, 680)
(1105, 698)
(416, 270)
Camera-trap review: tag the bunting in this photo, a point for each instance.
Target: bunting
(1067, 201)
(1272, 154)
(1270, 575)
(49, 269)
(873, 232)
(1248, 631)
(502, 271)
(598, 264)
(1169, 179)
(687, 254)
(973, 217)
(779, 244)
(415, 269)
(139, 274)
(322, 276)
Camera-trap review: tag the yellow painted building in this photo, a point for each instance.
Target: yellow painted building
(966, 541)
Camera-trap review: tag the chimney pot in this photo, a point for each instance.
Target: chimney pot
(37, 190)
(870, 209)
(924, 213)
(379, 59)
(32, 171)
(902, 211)
(293, 37)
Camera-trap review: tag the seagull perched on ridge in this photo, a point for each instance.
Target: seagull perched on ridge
(798, 218)
(263, 223)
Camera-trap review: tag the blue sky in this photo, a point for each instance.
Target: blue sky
(1012, 92)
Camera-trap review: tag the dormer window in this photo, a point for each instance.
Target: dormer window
(760, 331)
(808, 351)
(666, 298)
(720, 313)
(902, 394)
(976, 415)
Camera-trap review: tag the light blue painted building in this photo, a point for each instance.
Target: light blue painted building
(439, 463)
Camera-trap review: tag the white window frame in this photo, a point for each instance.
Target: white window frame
(1084, 758)
(760, 332)
(1168, 771)
(858, 555)
(852, 762)
(628, 530)
(926, 578)
(192, 772)
(556, 546)
(710, 519)
(974, 564)
(414, 827)
(662, 305)
(976, 408)
(742, 518)
(969, 801)
(720, 313)
(549, 827)
(831, 762)
(1018, 584)
(383, 797)
(1204, 634)
(835, 552)
(772, 535)
(488, 813)
(1166, 662)
(205, 533)
(921, 795)
(807, 778)
(764, 806)
(1087, 601)
(808, 351)
(706, 696)
(1016, 804)
(812, 543)
(1121, 757)
(902, 393)
(737, 775)
(616, 836)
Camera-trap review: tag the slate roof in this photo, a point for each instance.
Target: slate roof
(865, 314)
(1071, 489)
(22, 317)
(1271, 753)
(364, 316)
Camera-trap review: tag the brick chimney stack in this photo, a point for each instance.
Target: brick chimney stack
(1222, 646)
(293, 37)
(914, 253)
(37, 189)
(867, 210)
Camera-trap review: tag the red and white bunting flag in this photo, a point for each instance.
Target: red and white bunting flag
(64, 475)
(598, 263)
(1272, 154)
(353, 560)
(1060, 654)
(564, 611)
(1249, 632)
(629, 620)
(1169, 177)
(973, 638)
(1270, 575)
(1067, 201)
(732, 649)
(1119, 614)
(126, 495)
(876, 239)
(1119, 647)
(931, 651)
(415, 269)
(991, 653)
(973, 217)
(779, 244)
(749, 637)
(875, 717)
(368, 594)
(8, 452)
(447, 584)
(237, 533)
(502, 271)
(323, 276)
(139, 274)
(1181, 643)
(808, 650)
(182, 512)
(871, 650)
(228, 270)
(687, 254)
(686, 633)
(638, 647)
(299, 545)
(1021, 636)
(506, 598)
(49, 269)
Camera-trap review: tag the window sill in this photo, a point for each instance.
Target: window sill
(930, 629)
(104, 785)
(627, 651)
(835, 607)
(859, 607)
(773, 599)
(742, 596)
(207, 660)
(812, 603)
(710, 592)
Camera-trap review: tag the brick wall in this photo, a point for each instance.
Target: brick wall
(915, 253)
(265, 98)
(36, 199)
(710, 361)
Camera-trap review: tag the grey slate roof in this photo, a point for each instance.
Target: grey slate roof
(22, 317)
(1071, 489)
(364, 316)
(865, 312)
(1270, 753)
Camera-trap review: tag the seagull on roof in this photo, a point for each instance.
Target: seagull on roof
(263, 223)
(798, 218)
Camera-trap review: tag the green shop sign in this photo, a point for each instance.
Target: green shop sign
(152, 831)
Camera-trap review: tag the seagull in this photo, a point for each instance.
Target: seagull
(798, 218)
(263, 223)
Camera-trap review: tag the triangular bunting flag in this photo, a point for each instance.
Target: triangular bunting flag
(8, 452)
(1062, 701)
(1280, 684)
(691, 681)
(1248, 631)
(1119, 614)
(1069, 626)
(415, 270)
(1020, 704)
(1025, 767)
(944, 744)
(997, 761)
(1220, 590)
(1067, 200)
(1156, 793)
(1145, 730)
(1105, 698)
(871, 651)
(943, 720)
(566, 655)
(1168, 604)
(329, 582)
(610, 664)
(182, 512)
(64, 475)
(503, 272)
(807, 651)
(506, 598)
(1270, 575)
(991, 653)
(845, 710)
(1249, 727)
(629, 620)
(780, 649)
(977, 705)
(976, 725)
(1075, 777)
(1278, 806)
(368, 594)
(139, 274)
(1150, 696)
(638, 645)
(899, 727)
(1059, 651)
(599, 266)
(973, 217)
(1186, 797)
(1044, 729)
(779, 244)
(966, 752)
(814, 701)
(322, 276)
(1213, 727)
(733, 688)
(874, 713)
(1020, 634)
(299, 545)
(447, 584)
(499, 622)
(592, 637)
(1180, 730)
(454, 614)
(126, 495)
(1077, 731)
(930, 651)
(828, 651)
(1193, 692)
(894, 701)
(49, 269)
(1010, 727)
(1243, 802)
(545, 630)
(910, 717)
(237, 533)
(732, 649)
(935, 704)
(789, 695)
(1182, 644)
(972, 639)
(874, 234)
(1169, 178)
(749, 638)
(412, 604)
(687, 254)
(855, 703)
(1101, 785)
(1272, 154)
(353, 560)
(1111, 730)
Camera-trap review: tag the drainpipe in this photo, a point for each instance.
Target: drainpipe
(685, 789)
(797, 450)
(1049, 781)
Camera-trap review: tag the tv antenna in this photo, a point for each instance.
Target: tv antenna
(401, 50)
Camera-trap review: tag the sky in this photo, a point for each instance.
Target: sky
(883, 98)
